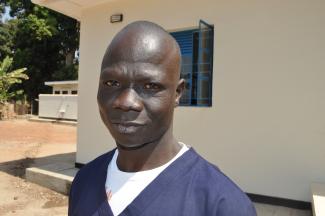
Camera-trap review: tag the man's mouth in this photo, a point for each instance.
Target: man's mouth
(127, 127)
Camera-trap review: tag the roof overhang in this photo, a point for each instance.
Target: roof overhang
(66, 82)
(72, 8)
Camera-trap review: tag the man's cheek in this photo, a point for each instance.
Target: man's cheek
(159, 103)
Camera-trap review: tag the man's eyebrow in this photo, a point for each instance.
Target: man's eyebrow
(150, 74)
(152, 79)
(109, 69)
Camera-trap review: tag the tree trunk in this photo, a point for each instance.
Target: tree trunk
(69, 58)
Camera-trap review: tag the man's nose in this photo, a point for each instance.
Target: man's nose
(128, 100)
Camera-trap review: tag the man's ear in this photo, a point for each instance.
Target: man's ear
(179, 91)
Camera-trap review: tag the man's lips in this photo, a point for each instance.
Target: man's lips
(127, 127)
(128, 123)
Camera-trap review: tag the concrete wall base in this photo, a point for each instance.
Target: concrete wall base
(55, 176)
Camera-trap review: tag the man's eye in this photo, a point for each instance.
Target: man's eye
(151, 86)
(112, 83)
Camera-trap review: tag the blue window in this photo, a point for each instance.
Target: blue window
(197, 64)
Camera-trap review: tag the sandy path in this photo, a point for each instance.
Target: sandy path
(22, 144)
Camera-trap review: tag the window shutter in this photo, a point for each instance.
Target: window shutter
(205, 64)
(197, 64)
(185, 42)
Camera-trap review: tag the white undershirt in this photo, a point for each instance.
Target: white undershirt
(123, 187)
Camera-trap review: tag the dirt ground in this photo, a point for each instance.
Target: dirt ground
(23, 144)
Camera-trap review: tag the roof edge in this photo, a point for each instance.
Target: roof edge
(67, 8)
(65, 82)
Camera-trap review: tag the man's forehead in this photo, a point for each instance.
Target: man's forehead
(145, 48)
(136, 71)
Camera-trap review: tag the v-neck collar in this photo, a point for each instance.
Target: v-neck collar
(178, 168)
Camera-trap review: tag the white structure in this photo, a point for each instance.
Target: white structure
(63, 87)
(62, 103)
(266, 127)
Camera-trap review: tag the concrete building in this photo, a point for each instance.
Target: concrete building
(63, 87)
(62, 103)
(258, 113)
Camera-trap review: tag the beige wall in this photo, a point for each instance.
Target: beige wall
(266, 129)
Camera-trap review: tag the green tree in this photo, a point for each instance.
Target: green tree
(45, 42)
(2, 10)
(8, 79)
(7, 32)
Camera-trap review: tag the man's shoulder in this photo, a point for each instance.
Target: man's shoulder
(86, 188)
(221, 189)
(211, 172)
(93, 167)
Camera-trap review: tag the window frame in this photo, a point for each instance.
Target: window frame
(197, 76)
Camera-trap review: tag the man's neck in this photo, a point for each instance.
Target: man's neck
(149, 156)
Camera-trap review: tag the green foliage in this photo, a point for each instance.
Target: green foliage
(8, 79)
(37, 28)
(7, 32)
(4, 36)
(2, 10)
(42, 40)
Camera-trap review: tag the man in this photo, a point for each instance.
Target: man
(150, 173)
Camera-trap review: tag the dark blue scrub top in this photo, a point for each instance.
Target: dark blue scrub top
(190, 186)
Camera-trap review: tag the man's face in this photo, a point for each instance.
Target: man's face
(137, 95)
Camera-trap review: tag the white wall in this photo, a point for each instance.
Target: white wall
(52, 106)
(266, 128)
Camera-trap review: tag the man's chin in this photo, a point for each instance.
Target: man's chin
(131, 147)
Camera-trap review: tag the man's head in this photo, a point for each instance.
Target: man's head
(139, 84)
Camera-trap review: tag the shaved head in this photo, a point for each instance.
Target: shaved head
(144, 41)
